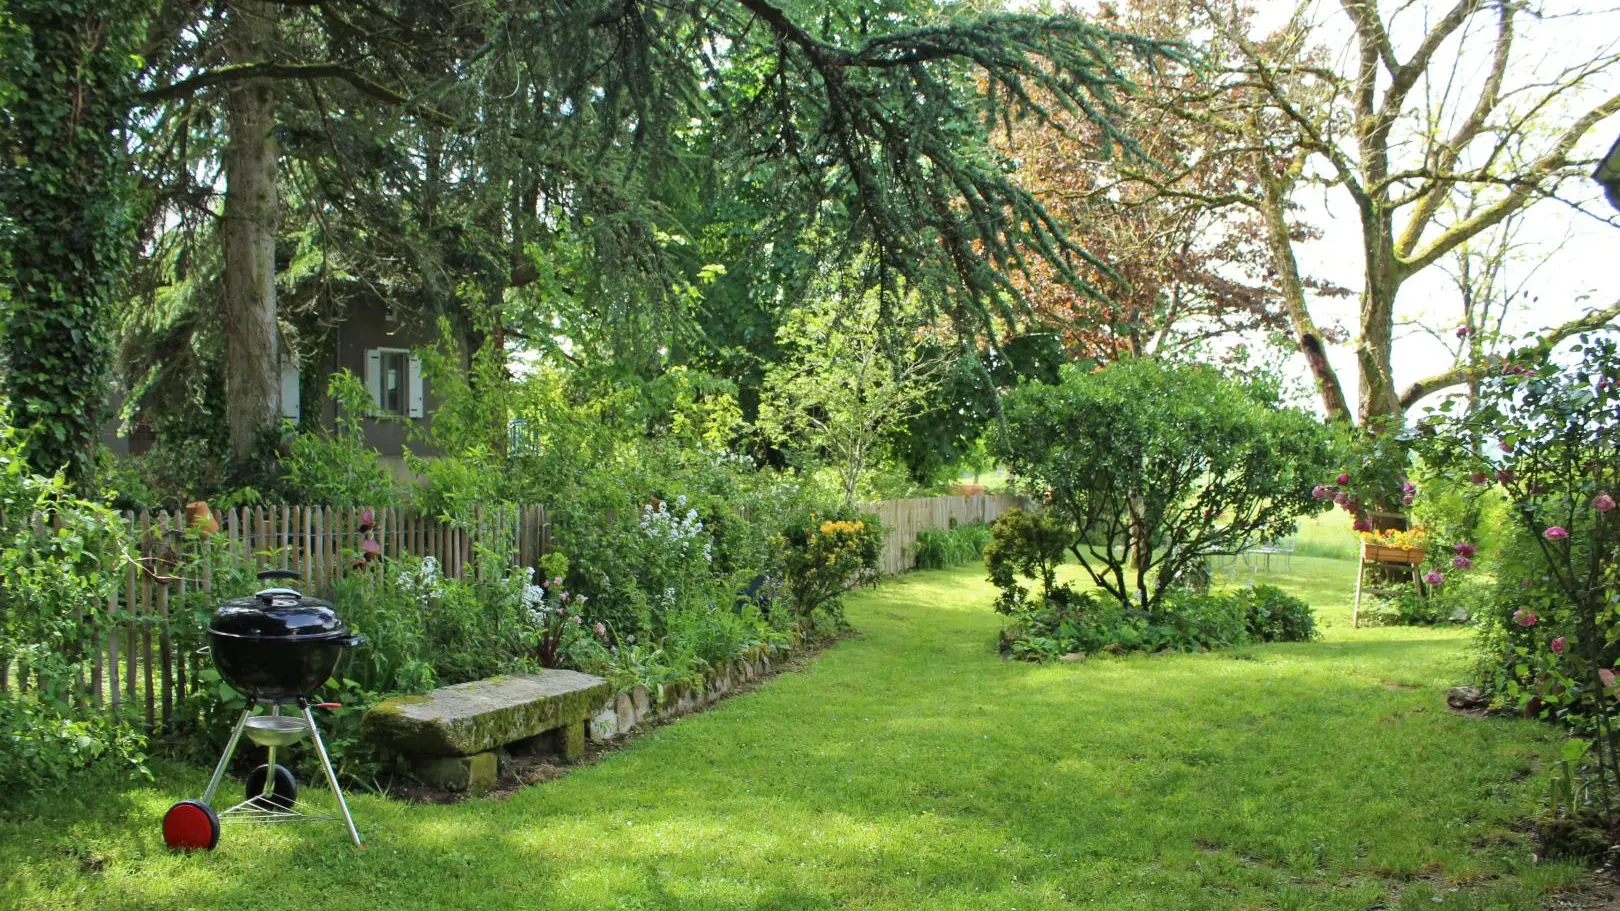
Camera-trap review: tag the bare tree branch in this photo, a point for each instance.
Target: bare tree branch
(1456, 376)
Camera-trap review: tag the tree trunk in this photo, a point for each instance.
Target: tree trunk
(1274, 211)
(248, 232)
(1379, 400)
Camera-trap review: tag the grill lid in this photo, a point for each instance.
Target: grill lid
(278, 613)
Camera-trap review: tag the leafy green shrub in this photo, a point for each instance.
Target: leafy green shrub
(1066, 621)
(41, 744)
(1162, 466)
(942, 548)
(337, 468)
(55, 580)
(1028, 545)
(1272, 615)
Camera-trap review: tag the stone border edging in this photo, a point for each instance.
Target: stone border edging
(633, 707)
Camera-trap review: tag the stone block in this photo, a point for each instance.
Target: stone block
(624, 708)
(476, 774)
(485, 715)
(573, 741)
(641, 700)
(604, 726)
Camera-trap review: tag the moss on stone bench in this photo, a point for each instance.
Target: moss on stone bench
(472, 719)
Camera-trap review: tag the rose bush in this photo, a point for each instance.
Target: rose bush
(1553, 638)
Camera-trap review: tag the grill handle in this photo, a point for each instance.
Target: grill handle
(280, 574)
(354, 642)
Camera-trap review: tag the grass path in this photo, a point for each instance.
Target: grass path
(912, 768)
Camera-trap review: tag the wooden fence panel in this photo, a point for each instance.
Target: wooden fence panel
(903, 519)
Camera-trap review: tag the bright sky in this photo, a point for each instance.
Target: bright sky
(1570, 257)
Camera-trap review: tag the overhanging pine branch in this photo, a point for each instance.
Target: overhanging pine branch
(225, 75)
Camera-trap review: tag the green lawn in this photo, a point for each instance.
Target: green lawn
(912, 768)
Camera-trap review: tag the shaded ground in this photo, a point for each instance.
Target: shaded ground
(913, 768)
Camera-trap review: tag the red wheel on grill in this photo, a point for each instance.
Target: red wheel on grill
(191, 825)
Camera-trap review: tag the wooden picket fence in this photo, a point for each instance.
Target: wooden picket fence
(902, 519)
(149, 664)
(143, 663)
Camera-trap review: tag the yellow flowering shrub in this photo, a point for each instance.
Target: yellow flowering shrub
(823, 558)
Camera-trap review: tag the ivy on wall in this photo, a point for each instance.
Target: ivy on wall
(67, 73)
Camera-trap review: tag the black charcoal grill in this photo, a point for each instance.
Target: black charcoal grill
(277, 648)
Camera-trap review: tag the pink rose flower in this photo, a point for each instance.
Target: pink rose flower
(1463, 548)
(1407, 500)
(1557, 645)
(1462, 331)
(1408, 487)
(1480, 478)
(1343, 479)
(1556, 533)
(1506, 476)
(1462, 562)
(1603, 502)
(1319, 492)
(1434, 577)
(1362, 525)
(1524, 618)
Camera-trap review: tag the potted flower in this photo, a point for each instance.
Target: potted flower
(1402, 547)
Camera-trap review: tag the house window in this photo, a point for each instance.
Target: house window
(393, 383)
(394, 379)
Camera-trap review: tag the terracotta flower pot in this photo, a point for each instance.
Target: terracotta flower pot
(199, 516)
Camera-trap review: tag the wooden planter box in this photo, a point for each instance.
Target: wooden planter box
(1399, 556)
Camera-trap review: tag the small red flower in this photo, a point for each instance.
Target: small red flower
(1524, 618)
(1434, 577)
(1343, 479)
(1556, 533)
(1557, 645)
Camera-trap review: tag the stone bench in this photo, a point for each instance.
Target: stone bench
(453, 733)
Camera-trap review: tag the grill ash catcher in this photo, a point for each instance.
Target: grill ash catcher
(276, 647)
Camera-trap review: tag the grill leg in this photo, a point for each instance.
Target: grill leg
(225, 760)
(331, 776)
(270, 768)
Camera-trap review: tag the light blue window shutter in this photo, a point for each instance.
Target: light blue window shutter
(374, 378)
(413, 386)
(289, 393)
